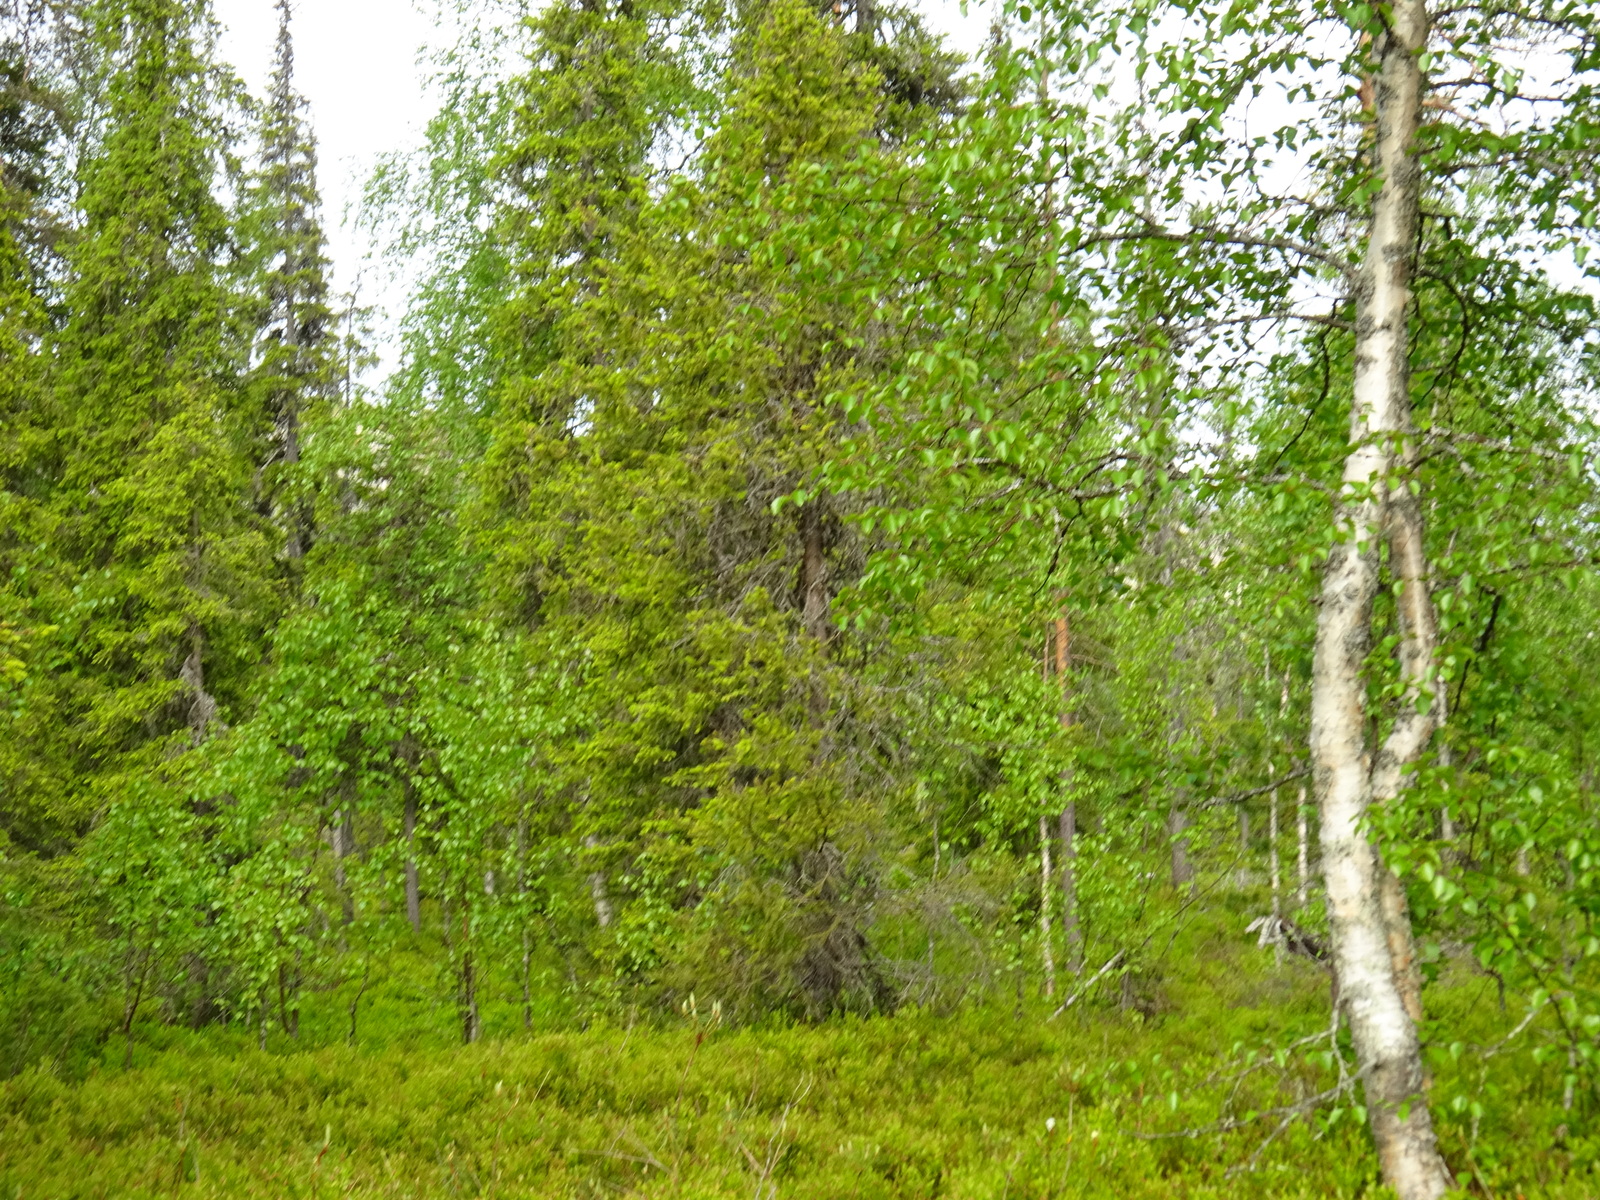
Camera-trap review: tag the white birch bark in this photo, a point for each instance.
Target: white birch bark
(1274, 868)
(1069, 888)
(1046, 901)
(1302, 851)
(1347, 779)
(1182, 866)
(413, 880)
(1420, 710)
(599, 891)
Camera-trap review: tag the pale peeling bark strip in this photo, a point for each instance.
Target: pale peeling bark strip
(1046, 876)
(1371, 989)
(1420, 709)
(1068, 826)
(605, 911)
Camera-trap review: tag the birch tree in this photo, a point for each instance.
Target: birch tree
(1366, 913)
(1239, 190)
(1425, 118)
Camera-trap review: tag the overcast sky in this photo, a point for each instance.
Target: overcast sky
(359, 64)
(356, 62)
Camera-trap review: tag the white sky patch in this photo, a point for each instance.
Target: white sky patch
(357, 64)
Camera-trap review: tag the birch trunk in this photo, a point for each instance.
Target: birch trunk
(1046, 901)
(1182, 867)
(341, 840)
(203, 710)
(527, 933)
(1241, 877)
(1274, 868)
(599, 890)
(1365, 923)
(1069, 888)
(413, 883)
(1302, 850)
(1420, 708)
(1177, 804)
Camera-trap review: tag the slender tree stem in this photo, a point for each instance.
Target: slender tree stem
(1366, 923)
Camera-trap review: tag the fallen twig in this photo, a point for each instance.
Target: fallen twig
(1082, 991)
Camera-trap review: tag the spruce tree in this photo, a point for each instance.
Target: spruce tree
(31, 125)
(162, 578)
(676, 352)
(295, 366)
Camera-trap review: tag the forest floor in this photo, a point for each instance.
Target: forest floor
(996, 1100)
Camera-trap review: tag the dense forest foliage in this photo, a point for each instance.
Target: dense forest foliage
(850, 529)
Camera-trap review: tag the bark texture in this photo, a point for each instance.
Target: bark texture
(814, 597)
(413, 884)
(1182, 865)
(1069, 888)
(599, 891)
(1067, 824)
(1274, 868)
(1046, 902)
(203, 710)
(1302, 851)
(1370, 930)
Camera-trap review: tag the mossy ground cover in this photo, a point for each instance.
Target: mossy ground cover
(997, 1100)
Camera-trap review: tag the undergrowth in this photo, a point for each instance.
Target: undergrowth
(1177, 1085)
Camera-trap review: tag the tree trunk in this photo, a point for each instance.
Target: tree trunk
(1302, 833)
(1069, 888)
(1046, 902)
(341, 837)
(1242, 878)
(527, 980)
(1182, 867)
(1177, 816)
(1274, 867)
(203, 709)
(527, 933)
(604, 911)
(814, 603)
(133, 992)
(289, 998)
(1420, 708)
(465, 967)
(413, 886)
(294, 547)
(470, 1027)
(1362, 916)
